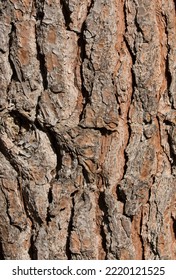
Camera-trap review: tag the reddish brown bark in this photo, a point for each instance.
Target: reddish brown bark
(87, 132)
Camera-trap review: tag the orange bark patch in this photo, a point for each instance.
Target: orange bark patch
(51, 38)
(75, 243)
(27, 3)
(135, 230)
(52, 61)
(18, 14)
(23, 56)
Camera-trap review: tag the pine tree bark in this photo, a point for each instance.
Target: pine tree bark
(88, 129)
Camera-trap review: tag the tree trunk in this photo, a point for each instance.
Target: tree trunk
(88, 129)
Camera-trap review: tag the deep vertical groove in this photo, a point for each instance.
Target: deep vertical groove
(70, 226)
(105, 221)
(32, 249)
(50, 199)
(85, 93)
(39, 5)
(175, 4)
(82, 45)
(134, 85)
(1, 251)
(167, 68)
(68, 251)
(42, 63)
(57, 147)
(168, 78)
(66, 13)
(90, 7)
(172, 150)
(174, 226)
(141, 239)
(12, 36)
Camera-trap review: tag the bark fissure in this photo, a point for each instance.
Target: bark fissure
(42, 63)
(50, 200)
(12, 35)
(174, 226)
(1, 251)
(39, 6)
(105, 227)
(32, 249)
(141, 238)
(168, 75)
(57, 148)
(70, 228)
(85, 93)
(66, 13)
(172, 151)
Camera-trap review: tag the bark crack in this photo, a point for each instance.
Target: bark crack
(32, 249)
(42, 62)
(70, 227)
(104, 223)
(2, 255)
(168, 74)
(82, 45)
(85, 93)
(50, 199)
(15, 76)
(141, 238)
(39, 5)
(174, 226)
(56, 146)
(66, 13)
(133, 58)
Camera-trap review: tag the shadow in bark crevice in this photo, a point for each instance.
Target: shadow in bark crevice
(105, 222)
(57, 148)
(172, 150)
(121, 196)
(168, 74)
(50, 199)
(1, 251)
(174, 226)
(39, 5)
(66, 13)
(85, 93)
(70, 227)
(42, 63)
(32, 250)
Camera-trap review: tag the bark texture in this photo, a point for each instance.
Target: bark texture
(88, 129)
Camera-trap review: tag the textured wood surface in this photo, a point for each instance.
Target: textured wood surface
(88, 129)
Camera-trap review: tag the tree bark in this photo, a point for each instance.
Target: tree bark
(88, 129)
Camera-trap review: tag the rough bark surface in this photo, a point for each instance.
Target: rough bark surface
(88, 129)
